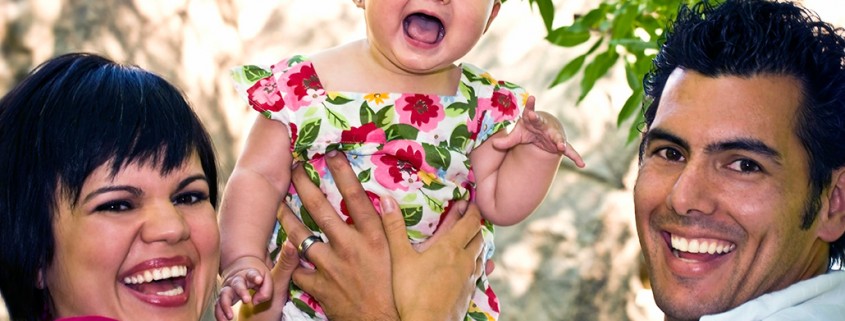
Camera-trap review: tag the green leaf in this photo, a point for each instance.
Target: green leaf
(401, 131)
(434, 204)
(412, 214)
(254, 73)
(436, 156)
(302, 306)
(365, 176)
(595, 70)
(570, 70)
(477, 316)
(367, 114)
(623, 23)
(594, 18)
(632, 105)
(634, 131)
(567, 36)
(308, 133)
(338, 100)
(633, 78)
(312, 172)
(460, 137)
(337, 119)
(457, 108)
(547, 12)
(307, 220)
(384, 117)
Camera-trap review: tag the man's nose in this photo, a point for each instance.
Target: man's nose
(693, 191)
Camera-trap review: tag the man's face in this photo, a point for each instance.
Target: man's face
(722, 186)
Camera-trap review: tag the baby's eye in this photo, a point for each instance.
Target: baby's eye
(114, 206)
(670, 154)
(745, 166)
(189, 198)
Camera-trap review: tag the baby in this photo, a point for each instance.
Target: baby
(413, 123)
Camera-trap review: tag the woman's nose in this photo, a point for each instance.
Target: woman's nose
(165, 223)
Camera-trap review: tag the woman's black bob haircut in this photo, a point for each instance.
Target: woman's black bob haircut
(69, 116)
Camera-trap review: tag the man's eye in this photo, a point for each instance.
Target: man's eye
(670, 154)
(745, 166)
(114, 206)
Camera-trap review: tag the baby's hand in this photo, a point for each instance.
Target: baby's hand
(542, 130)
(243, 275)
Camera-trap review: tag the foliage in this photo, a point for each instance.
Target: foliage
(619, 31)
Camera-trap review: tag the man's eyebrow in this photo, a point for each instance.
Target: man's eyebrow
(661, 134)
(746, 144)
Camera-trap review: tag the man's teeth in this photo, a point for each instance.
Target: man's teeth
(157, 274)
(708, 246)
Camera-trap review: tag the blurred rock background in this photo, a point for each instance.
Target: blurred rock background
(576, 258)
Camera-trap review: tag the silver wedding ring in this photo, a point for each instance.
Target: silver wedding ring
(306, 244)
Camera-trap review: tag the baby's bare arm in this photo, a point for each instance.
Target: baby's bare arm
(515, 170)
(251, 198)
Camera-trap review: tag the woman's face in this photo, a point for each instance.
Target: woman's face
(137, 246)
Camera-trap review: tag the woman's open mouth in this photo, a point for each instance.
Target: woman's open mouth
(163, 286)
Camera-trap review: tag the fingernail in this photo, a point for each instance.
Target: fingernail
(332, 153)
(387, 204)
(294, 165)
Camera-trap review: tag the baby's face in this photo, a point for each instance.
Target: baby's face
(426, 36)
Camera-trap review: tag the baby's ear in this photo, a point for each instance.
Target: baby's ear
(833, 219)
(493, 13)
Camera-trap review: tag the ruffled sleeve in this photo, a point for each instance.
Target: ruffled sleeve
(499, 104)
(260, 87)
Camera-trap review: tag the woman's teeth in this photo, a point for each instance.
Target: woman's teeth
(158, 274)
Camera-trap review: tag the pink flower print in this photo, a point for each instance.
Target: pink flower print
(398, 166)
(303, 80)
(264, 95)
(492, 300)
(374, 198)
(293, 135)
(504, 104)
(312, 303)
(421, 111)
(314, 96)
(367, 133)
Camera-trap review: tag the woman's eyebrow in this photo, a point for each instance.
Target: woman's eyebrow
(130, 189)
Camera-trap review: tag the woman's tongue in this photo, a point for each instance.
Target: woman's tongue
(155, 287)
(423, 28)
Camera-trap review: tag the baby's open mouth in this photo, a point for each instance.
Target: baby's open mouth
(424, 28)
(164, 281)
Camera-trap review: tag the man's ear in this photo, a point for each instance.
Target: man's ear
(495, 12)
(833, 220)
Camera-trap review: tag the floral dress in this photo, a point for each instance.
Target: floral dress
(414, 147)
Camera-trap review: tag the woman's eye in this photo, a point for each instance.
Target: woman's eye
(670, 154)
(189, 198)
(745, 166)
(114, 206)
